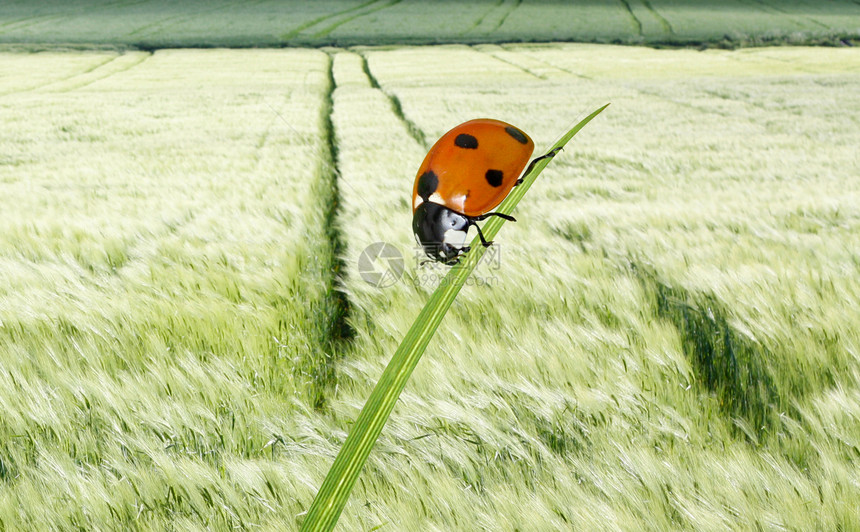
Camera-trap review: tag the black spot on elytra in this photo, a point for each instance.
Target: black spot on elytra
(464, 140)
(517, 134)
(494, 177)
(427, 184)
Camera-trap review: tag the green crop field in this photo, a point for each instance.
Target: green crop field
(666, 339)
(149, 24)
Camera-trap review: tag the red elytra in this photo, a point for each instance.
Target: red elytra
(466, 174)
(473, 167)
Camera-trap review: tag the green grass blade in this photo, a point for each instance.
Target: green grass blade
(334, 492)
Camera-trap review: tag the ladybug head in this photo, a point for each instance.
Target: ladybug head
(440, 231)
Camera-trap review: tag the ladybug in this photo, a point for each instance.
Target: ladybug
(465, 175)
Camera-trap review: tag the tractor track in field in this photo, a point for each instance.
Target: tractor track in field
(544, 72)
(646, 20)
(160, 25)
(414, 131)
(27, 22)
(634, 20)
(680, 103)
(332, 311)
(550, 65)
(483, 50)
(135, 59)
(317, 27)
(89, 75)
(766, 6)
(667, 26)
(531, 70)
(628, 86)
(328, 29)
(504, 11)
(770, 57)
(747, 102)
(329, 308)
(481, 19)
(728, 364)
(300, 29)
(84, 72)
(507, 14)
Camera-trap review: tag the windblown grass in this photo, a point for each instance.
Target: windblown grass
(657, 341)
(152, 24)
(163, 284)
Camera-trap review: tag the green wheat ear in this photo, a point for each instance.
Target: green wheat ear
(338, 483)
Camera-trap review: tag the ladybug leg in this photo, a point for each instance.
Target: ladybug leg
(456, 260)
(548, 155)
(484, 241)
(473, 220)
(507, 217)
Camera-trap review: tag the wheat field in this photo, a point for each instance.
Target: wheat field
(666, 339)
(156, 24)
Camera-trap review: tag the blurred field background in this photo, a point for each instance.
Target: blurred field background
(150, 24)
(667, 339)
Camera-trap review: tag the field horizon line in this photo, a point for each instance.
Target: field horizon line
(727, 42)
